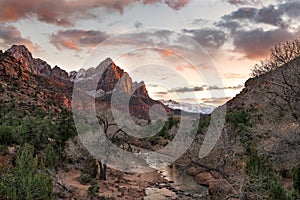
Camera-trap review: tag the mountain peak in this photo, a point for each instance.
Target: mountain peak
(24, 56)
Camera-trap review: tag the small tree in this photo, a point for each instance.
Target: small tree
(27, 180)
(52, 158)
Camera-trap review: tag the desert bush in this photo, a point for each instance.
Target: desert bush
(93, 191)
(276, 191)
(85, 178)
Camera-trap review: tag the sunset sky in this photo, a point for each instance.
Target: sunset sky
(156, 40)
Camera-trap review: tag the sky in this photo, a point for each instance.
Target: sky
(196, 51)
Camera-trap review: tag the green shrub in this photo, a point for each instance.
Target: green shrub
(91, 167)
(7, 135)
(93, 191)
(296, 179)
(276, 191)
(52, 158)
(85, 179)
(238, 117)
(203, 124)
(256, 166)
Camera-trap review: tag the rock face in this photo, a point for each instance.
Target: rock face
(59, 75)
(113, 76)
(37, 66)
(204, 178)
(13, 68)
(44, 67)
(220, 189)
(23, 55)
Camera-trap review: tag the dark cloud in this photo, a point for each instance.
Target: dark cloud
(218, 101)
(232, 26)
(271, 15)
(209, 38)
(266, 15)
(186, 89)
(138, 25)
(237, 87)
(241, 13)
(244, 2)
(64, 12)
(256, 43)
(161, 93)
(290, 8)
(10, 35)
(204, 88)
(77, 39)
(200, 21)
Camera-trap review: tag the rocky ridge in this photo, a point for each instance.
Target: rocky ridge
(18, 63)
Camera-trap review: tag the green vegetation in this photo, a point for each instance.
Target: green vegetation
(27, 180)
(1, 88)
(93, 191)
(203, 124)
(296, 179)
(85, 179)
(41, 137)
(263, 183)
(238, 117)
(164, 132)
(241, 121)
(52, 158)
(37, 127)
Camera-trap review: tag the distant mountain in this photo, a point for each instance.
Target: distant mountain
(187, 107)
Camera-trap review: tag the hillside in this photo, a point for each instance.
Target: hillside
(257, 155)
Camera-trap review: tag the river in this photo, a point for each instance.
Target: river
(179, 186)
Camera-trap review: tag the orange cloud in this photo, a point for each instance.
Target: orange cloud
(10, 35)
(180, 68)
(71, 45)
(76, 39)
(167, 53)
(65, 12)
(234, 75)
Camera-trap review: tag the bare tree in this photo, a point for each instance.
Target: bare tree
(280, 55)
(284, 89)
(286, 52)
(112, 136)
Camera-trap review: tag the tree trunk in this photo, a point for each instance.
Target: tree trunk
(102, 171)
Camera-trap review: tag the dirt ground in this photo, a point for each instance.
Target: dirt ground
(119, 185)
